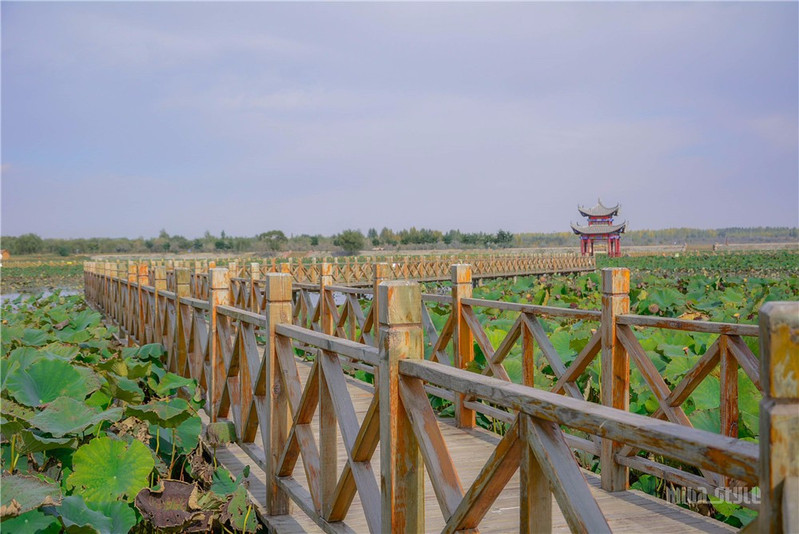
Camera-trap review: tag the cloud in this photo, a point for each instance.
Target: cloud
(316, 117)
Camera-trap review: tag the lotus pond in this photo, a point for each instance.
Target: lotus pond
(97, 438)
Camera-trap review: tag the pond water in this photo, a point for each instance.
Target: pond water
(44, 292)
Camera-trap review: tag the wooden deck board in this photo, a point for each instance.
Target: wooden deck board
(630, 511)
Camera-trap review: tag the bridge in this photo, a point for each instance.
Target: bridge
(338, 454)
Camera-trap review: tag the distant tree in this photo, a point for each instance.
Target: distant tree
(314, 240)
(149, 244)
(388, 237)
(274, 239)
(352, 241)
(28, 244)
(222, 244)
(179, 242)
(504, 238)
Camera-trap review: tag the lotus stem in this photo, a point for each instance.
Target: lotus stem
(172, 458)
(14, 454)
(246, 517)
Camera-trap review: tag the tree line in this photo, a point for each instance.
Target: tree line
(354, 240)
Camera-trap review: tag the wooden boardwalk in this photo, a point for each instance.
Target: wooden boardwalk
(239, 342)
(626, 511)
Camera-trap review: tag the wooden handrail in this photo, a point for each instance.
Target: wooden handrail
(687, 325)
(552, 311)
(704, 449)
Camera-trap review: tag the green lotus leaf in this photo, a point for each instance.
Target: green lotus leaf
(14, 417)
(10, 408)
(79, 518)
(136, 368)
(240, 512)
(67, 416)
(92, 380)
(124, 389)
(25, 356)
(29, 492)
(223, 483)
(32, 441)
(108, 470)
(122, 515)
(70, 335)
(706, 420)
(187, 436)
(58, 315)
(166, 413)
(116, 365)
(99, 399)
(707, 394)
(9, 335)
(170, 383)
(85, 319)
(46, 380)
(67, 352)
(7, 368)
(151, 351)
(513, 366)
(34, 522)
(34, 337)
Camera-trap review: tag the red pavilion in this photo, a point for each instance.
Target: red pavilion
(600, 228)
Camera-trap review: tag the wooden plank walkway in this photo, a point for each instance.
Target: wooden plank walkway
(630, 511)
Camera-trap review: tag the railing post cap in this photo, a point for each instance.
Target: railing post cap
(325, 269)
(779, 349)
(615, 280)
(181, 275)
(461, 273)
(277, 286)
(400, 302)
(219, 278)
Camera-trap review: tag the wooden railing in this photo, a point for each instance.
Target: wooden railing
(215, 341)
(359, 272)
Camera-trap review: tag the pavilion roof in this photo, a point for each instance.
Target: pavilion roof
(598, 229)
(600, 210)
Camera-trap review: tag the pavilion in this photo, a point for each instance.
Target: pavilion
(600, 228)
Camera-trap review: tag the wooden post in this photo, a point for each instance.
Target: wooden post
(218, 295)
(535, 498)
(380, 273)
(462, 337)
(328, 435)
(615, 379)
(159, 283)
(273, 414)
(255, 276)
(401, 463)
(779, 417)
(175, 360)
(141, 336)
(182, 283)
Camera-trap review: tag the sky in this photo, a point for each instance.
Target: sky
(122, 119)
